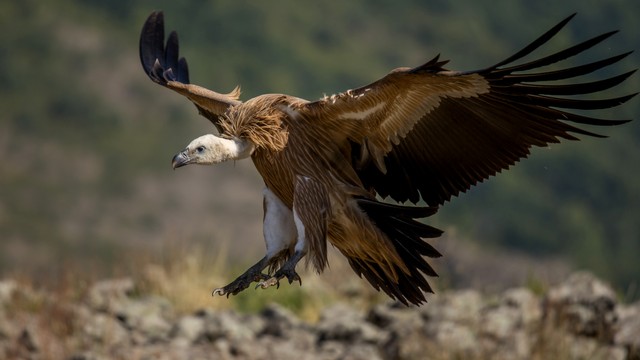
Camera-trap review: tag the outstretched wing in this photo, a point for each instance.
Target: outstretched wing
(164, 66)
(428, 133)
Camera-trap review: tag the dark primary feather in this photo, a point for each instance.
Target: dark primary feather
(464, 141)
(161, 63)
(534, 44)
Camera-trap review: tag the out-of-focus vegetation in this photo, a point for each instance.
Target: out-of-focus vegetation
(86, 138)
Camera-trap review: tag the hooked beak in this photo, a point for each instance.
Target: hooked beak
(180, 159)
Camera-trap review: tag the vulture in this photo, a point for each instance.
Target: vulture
(360, 169)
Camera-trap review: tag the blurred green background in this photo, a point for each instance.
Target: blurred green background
(86, 139)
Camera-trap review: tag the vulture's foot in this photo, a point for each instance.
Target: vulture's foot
(239, 284)
(254, 274)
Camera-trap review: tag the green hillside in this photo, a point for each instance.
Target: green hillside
(86, 139)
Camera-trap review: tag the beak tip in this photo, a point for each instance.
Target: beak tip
(180, 159)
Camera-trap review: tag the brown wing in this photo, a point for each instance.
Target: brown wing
(163, 65)
(428, 133)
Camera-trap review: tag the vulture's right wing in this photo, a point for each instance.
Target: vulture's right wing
(427, 133)
(164, 66)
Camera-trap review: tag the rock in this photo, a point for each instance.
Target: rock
(344, 351)
(500, 322)
(109, 295)
(29, 340)
(88, 355)
(342, 323)
(7, 290)
(224, 324)
(455, 337)
(526, 302)
(506, 325)
(585, 305)
(388, 316)
(188, 329)
(403, 331)
(300, 346)
(628, 334)
(461, 307)
(587, 348)
(579, 319)
(278, 321)
(6, 330)
(104, 329)
(147, 317)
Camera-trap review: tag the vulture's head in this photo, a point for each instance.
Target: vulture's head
(211, 149)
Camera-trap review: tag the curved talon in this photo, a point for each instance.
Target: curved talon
(219, 291)
(293, 276)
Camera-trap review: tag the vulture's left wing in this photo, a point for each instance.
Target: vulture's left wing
(428, 133)
(164, 66)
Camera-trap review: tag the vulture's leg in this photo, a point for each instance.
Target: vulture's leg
(311, 215)
(279, 235)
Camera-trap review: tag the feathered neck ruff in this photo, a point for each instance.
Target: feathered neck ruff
(259, 121)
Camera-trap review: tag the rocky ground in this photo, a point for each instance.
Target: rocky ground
(578, 319)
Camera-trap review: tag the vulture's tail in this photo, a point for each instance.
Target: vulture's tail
(406, 233)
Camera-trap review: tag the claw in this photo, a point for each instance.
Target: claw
(291, 276)
(296, 278)
(279, 275)
(219, 291)
(269, 282)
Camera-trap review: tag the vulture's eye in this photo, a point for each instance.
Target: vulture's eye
(200, 149)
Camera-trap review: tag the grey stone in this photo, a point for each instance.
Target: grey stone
(628, 334)
(527, 303)
(517, 324)
(278, 320)
(587, 348)
(105, 330)
(500, 322)
(387, 316)
(29, 340)
(147, 318)
(109, 295)
(585, 305)
(299, 347)
(342, 323)
(225, 324)
(7, 330)
(88, 355)
(189, 328)
(7, 289)
(454, 337)
(330, 350)
(461, 306)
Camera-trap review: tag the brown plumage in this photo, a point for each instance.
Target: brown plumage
(418, 134)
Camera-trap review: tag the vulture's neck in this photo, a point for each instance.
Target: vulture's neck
(221, 149)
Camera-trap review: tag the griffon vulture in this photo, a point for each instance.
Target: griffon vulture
(418, 134)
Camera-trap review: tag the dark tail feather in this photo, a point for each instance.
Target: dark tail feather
(406, 233)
